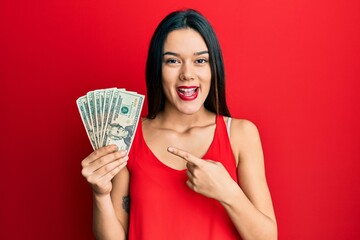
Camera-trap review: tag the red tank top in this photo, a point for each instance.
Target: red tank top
(162, 207)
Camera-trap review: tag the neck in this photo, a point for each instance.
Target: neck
(170, 118)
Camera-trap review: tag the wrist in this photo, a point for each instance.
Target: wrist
(232, 195)
(101, 196)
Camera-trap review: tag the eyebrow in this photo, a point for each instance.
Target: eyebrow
(177, 55)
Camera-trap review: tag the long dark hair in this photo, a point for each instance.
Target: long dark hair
(216, 100)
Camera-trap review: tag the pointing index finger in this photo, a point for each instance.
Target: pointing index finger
(184, 155)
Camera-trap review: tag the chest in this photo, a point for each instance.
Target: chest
(196, 141)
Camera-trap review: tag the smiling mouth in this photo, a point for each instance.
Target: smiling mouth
(187, 93)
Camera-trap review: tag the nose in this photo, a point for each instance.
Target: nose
(187, 73)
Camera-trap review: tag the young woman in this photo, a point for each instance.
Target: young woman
(193, 172)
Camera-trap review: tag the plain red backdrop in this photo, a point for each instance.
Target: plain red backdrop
(293, 68)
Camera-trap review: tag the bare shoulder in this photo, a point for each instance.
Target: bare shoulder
(244, 126)
(243, 131)
(246, 144)
(245, 140)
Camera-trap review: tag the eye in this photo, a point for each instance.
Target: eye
(171, 61)
(201, 61)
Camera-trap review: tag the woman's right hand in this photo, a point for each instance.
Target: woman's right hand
(100, 167)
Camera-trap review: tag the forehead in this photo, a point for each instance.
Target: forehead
(184, 40)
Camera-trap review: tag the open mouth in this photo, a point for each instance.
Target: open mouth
(188, 93)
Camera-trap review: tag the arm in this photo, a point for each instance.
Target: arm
(249, 205)
(105, 170)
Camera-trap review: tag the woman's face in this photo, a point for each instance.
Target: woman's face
(186, 73)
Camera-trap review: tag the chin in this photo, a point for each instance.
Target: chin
(190, 110)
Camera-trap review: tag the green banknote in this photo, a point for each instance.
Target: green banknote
(83, 107)
(110, 116)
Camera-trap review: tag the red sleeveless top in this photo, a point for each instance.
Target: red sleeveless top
(162, 207)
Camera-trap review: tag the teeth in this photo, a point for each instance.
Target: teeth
(187, 90)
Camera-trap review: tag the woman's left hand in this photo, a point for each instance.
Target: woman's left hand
(207, 177)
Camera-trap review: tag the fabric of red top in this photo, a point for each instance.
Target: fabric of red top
(163, 207)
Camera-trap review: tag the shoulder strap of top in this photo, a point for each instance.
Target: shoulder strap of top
(228, 125)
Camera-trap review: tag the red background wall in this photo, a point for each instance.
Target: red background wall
(292, 68)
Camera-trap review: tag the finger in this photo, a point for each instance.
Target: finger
(185, 155)
(103, 161)
(191, 185)
(98, 154)
(110, 166)
(110, 175)
(189, 175)
(107, 169)
(190, 166)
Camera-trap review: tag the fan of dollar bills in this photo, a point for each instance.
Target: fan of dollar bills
(110, 116)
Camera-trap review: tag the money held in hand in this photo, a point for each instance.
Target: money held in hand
(110, 116)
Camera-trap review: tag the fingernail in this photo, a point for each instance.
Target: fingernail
(123, 152)
(124, 159)
(170, 149)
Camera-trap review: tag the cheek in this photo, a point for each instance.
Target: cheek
(166, 88)
(204, 73)
(168, 80)
(206, 77)
(169, 75)
(165, 85)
